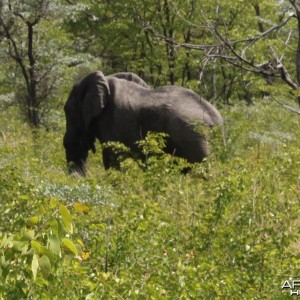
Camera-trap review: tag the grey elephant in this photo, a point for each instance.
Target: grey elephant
(123, 109)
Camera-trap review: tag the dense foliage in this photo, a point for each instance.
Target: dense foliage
(227, 51)
(226, 230)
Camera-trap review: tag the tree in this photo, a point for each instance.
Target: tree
(31, 37)
(256, 38)
(111, 31)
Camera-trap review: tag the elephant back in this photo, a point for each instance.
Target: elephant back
(129, 76)
(186, 105)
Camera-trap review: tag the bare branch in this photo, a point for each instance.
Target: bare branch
(149, 28)
(292, 109)
(283, 71)
(295, 5)
(239, 60)
(257, 37)
(250, 40)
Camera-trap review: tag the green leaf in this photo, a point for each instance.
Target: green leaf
(42, 210)
(54, 227)
(18, 245)
(28, 235)
(36, 246)
(34, 266)
(45, 265)
(53, 203)
(32, 221)
(70, 245)
(40, 249)
(54, 245)
(66, 217)
(79, 207)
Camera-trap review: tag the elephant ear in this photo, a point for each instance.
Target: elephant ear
(95, 96)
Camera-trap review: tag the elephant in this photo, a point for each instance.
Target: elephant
(122, 108)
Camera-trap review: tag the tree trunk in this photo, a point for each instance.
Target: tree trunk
(298, 50)
(269, 79)
(32, 101)
(295, 4)
(169, 33)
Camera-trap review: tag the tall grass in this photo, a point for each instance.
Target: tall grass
(227, 230)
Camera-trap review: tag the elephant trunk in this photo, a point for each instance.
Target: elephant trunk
(76, 153)
(77, 168)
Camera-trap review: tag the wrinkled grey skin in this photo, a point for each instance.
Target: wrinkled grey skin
(130, 77)
(125, 109)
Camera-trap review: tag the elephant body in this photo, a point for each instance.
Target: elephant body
(114, 109)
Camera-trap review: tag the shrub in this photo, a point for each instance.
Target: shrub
(227, 229)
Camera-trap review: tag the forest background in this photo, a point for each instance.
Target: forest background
(227, 230)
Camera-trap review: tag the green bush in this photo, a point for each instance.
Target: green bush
(226, 230)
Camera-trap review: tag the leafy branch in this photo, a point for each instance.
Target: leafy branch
(226, 49)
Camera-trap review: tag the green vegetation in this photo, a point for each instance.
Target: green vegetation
(227, 51)
(227, 230)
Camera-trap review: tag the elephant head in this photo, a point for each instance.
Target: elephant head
(86, 100)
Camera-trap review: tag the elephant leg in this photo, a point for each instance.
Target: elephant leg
(193, 148)
(110, 159)
(186, 142)
(196, 150)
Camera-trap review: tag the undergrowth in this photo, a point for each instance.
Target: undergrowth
(226, 230)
